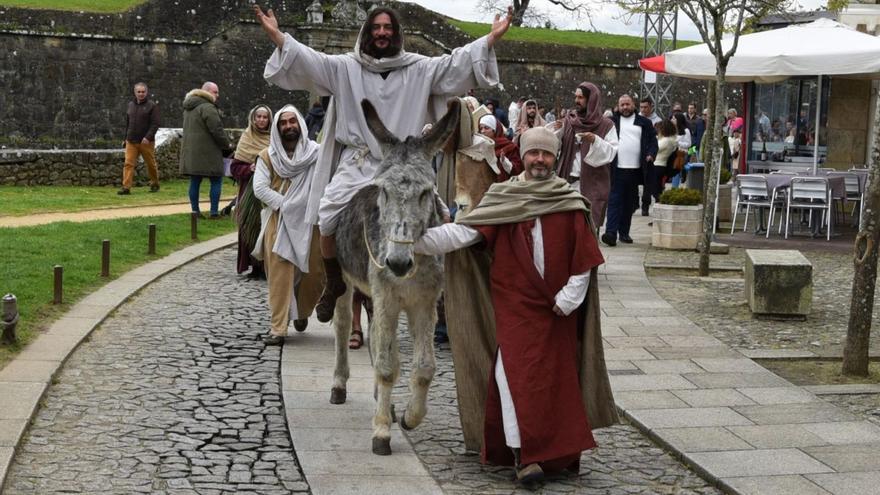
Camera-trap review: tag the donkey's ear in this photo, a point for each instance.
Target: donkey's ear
(383, 135)
(442, 130)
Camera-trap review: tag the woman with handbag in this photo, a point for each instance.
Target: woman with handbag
(667, 144)
(683, 138)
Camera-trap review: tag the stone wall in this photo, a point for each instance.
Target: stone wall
(67, 77)
(848, 120)
(91, 167)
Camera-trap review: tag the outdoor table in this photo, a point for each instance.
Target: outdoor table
(777, 182)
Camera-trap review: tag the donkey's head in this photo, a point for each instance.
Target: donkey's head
(406, 199)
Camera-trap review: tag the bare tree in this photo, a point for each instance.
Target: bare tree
(714, 20)
(524, 12)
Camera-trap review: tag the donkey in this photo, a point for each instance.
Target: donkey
(374, 242)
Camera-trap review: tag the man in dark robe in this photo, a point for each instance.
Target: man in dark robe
(589, 147)
(545, 253)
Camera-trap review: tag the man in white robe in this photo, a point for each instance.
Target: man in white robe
(282, 179)
(395, 81)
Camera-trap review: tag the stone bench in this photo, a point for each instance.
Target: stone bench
(778, 282)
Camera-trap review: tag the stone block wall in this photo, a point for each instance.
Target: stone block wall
(86, 167)
(848, 121)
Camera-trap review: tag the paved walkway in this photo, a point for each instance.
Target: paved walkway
(103, 214)
(736, 423)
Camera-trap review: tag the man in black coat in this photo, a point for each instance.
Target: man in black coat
(635, 154)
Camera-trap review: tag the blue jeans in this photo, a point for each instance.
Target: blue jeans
(195, 183)
(676, 180)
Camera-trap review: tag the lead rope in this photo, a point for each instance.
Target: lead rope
(370, 251)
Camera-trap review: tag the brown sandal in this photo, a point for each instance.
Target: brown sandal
(356, 340)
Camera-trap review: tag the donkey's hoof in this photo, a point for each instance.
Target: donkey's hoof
(382, 446)
(402, 422)
(337, 395)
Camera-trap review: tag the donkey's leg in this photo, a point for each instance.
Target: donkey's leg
(342, 326)
(386, 364)
(422, 318)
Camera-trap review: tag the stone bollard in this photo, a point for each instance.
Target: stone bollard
(779, 283)
(10, 318)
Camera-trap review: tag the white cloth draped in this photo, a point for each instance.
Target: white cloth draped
(294, 235)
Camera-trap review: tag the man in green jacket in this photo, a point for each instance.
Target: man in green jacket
(204, 140)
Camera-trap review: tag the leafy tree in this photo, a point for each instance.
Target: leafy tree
(720, 24)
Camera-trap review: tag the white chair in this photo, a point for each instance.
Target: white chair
(809, 193)
(752, 190)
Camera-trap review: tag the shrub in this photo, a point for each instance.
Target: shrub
(681, 197)
(725, 176)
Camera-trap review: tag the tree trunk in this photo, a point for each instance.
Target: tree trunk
(519, 11)
(712, 170)
(861, 310)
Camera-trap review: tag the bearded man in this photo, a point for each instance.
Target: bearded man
(548, 383)
(589, 147)
(287, 245)
(529, 117)
(408, 91)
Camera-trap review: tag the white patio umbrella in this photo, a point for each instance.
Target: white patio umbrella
(819, 48)
(823, 47)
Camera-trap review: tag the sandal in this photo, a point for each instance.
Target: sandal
(356, 340)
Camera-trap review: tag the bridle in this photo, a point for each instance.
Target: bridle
(373, 258)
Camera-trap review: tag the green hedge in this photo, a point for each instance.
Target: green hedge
(681, 196)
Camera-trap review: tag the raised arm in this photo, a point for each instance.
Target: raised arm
(270, 25)
(472, 65)
(293, 65)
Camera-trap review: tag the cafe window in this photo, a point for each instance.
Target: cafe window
(783, 119)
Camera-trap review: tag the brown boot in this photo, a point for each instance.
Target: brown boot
(334, 286)
(527, 475)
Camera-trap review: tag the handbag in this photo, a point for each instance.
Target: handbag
(680, 160)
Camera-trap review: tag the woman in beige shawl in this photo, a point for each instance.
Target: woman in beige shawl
(254, 140)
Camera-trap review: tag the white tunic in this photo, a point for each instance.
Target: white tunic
(602, 152)
(405, 100)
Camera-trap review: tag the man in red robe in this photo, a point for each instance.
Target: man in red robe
(544, 249)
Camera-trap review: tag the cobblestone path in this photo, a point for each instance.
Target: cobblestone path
(174, 393)
(626, 462)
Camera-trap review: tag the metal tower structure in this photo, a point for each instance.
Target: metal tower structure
(661, 32)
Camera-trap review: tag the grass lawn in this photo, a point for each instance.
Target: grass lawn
(31, 252)
(23, 200)
(818, 372)
(75, 5)
(575, 38)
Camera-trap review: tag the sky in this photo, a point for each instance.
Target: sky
(606, 19)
